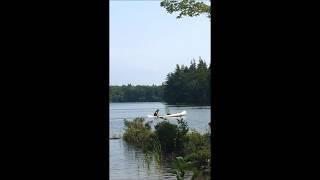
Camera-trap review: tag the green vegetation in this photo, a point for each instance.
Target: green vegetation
(189, 8)
(181, 165)
(138, 93)
(186, 85)
(187, 150)
(189, 85)
(138, 133)
(197, 148)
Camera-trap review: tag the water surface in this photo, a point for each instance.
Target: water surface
(128, 162)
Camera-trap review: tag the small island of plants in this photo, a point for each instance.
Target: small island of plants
(185, 149)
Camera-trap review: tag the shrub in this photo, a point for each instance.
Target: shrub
(197, 148)
(167, 135)
(137, 123)
(182, 127)
(181, 136)
(170, 138)
(196, 139)
(137, 133)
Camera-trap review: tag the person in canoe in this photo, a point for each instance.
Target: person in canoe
(156, 113)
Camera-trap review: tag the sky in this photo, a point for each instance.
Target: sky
(146, 42)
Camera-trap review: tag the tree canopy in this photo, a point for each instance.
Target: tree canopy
(129, 93)
(189, 8)
(188, 85)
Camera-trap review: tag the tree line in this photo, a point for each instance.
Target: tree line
(186, 85)
(129, 93)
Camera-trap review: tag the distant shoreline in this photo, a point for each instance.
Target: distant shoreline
(178, 104)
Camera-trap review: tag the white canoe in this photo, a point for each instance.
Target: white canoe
(170, 115)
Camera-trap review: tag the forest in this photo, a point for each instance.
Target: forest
(186, 85)
(129, 93)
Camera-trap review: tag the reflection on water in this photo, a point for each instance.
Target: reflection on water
(128, 162)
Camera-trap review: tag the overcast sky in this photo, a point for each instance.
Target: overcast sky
(146, 42)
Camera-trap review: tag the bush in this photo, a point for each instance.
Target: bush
(137, 133)
(170, 138)
(197, 148)
(137, 123)
(196, 139)
(167, 135)
(183, 129)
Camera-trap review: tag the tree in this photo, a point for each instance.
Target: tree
(129, 93)
(189, 8)
(188, 85)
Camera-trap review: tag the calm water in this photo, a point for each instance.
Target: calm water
(127, 162)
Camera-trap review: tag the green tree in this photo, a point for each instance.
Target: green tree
(189, 8)
(129, 93)
(188, 85)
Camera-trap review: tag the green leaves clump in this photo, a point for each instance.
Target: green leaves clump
(181, 166)
(189, 8)
(167, 135)
(188, 150)
(137, 133)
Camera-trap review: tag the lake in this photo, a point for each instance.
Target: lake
(128, 162)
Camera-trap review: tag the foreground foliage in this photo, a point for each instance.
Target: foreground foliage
(138, 133)
(185, 149)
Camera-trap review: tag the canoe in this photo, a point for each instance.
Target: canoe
(170, 115)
